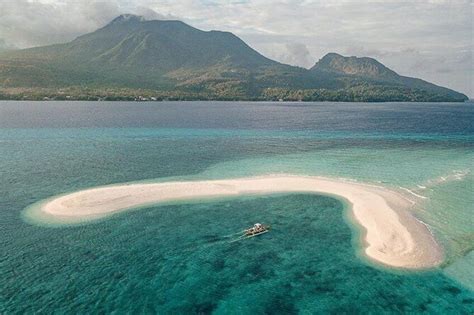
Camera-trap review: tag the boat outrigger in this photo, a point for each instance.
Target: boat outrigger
(255, 230)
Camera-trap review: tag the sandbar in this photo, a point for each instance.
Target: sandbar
(392, 235)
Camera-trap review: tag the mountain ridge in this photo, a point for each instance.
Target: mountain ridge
(171, 59)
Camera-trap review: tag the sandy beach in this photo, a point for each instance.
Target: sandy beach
(393, 236)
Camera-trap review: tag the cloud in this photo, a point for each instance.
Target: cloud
(414, 37)
(28, 23)
(32, 23)
(150, 14)
(292, 53)
(298, 54)
(5, 46)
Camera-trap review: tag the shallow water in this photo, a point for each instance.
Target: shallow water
(176, 258)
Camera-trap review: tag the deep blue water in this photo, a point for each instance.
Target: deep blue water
(176, 259)
(393, 118)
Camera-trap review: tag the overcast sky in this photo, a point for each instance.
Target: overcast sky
(429, 39)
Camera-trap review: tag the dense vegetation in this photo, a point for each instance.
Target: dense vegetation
(134, 59)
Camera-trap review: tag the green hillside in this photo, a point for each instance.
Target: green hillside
(352, 71)
(132, 57)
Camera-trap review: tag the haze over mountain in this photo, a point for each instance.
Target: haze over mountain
(4, 46)
(170, 59)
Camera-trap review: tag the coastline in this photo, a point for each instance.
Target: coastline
(392, 235)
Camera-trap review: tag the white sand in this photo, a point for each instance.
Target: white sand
(393, 236)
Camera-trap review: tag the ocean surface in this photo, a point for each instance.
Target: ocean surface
(179, 258)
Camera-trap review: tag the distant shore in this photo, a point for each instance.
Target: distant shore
(392, 237)
(150, 95)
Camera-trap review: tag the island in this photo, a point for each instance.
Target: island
(133, 59)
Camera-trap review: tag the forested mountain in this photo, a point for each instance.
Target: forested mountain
(132, 57)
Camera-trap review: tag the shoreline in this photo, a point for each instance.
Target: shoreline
(392, 235)
(245, 100)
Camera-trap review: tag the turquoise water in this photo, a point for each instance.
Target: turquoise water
(177, 258)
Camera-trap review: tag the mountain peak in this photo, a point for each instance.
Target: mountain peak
(359, 66)
(125, 18)
(160, 47)
(332, 55)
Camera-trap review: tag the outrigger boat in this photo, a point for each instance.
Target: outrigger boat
(255, 230)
